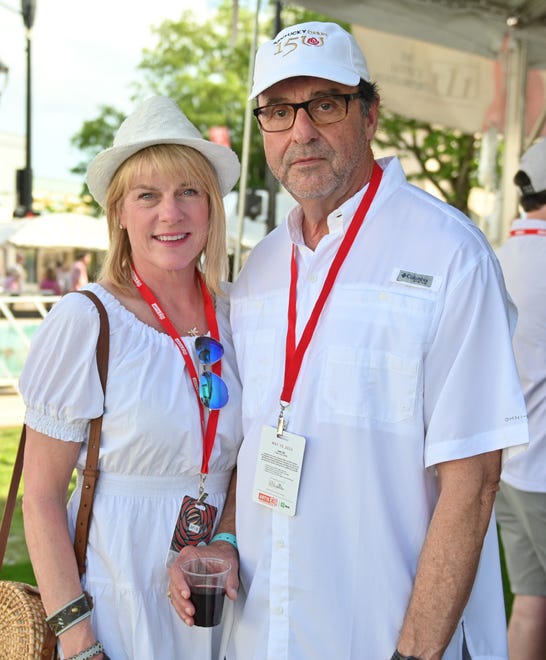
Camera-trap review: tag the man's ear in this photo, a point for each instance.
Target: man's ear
(372, 119)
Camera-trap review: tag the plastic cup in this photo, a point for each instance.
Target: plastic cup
(206, 578)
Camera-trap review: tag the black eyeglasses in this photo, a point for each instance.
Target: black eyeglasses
(213, 391)
(322, 110)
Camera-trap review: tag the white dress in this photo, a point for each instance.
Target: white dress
(150, 458)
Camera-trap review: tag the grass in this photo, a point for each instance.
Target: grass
(16, 562)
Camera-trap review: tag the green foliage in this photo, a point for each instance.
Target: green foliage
(446, 158)
(94, 136)
(204, 66)
(292, 14)
(16, 562)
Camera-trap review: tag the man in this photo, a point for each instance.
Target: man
(521, 503)
(373, 339)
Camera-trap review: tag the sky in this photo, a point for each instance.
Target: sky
(83, 55)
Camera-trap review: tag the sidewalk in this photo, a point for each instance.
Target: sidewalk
(12, 409)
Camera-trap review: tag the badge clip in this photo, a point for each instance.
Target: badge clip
(202, 495)
(281, 424)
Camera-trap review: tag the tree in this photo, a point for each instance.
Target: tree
(94, 136)
(203, 65)
(446, 158)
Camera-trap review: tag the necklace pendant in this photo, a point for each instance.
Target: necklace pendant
(193, 332)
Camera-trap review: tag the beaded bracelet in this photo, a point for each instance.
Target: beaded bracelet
(224, 536)
(69, 615)
(90, 652)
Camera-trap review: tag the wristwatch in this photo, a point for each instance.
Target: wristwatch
(398, 656)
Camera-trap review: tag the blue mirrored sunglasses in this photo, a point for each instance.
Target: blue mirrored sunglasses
(212, 389)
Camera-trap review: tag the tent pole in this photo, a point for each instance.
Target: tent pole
(536, 129)
(245, 152)
(514, 132)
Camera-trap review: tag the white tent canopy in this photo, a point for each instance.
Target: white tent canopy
(476, 26)
(57, 230)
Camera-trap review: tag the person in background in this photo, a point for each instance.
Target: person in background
(79, 276)
(50, 283)
(63, 276)
(19, 267)
(166, 443)
(521, 502)
(16, 277)
(12, 282)
(373, 337)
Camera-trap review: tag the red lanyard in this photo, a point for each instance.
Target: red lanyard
(208, 429)
(524, 232)
(294, 354)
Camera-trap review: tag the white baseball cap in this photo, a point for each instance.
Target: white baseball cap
(158, 120)
(533, 163)
(319, 50)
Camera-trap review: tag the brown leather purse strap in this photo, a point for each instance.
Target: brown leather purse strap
(90, 473)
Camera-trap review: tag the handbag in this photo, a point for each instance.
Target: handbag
(24, 633)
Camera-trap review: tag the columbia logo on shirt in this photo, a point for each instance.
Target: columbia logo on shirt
(415, 279)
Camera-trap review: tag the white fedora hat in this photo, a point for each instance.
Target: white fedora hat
(158, 120)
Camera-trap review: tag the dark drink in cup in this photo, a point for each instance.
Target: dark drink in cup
(206, 578)
(208, 603)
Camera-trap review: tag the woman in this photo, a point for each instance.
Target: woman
(161, 185)
(50, 283)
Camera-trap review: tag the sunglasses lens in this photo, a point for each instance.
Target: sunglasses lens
(213, 391)
(208, 350)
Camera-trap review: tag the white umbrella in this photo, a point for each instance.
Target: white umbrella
(60, 230)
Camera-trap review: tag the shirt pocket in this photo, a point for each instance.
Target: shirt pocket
(259, 342)
(362, 385)
(256, 351)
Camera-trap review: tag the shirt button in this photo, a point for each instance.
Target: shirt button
(280, 543)
(278, 610)
(312, 279)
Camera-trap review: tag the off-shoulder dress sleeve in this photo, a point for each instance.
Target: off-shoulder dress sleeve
(59, 383)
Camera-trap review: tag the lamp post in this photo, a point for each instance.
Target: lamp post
(24, 176)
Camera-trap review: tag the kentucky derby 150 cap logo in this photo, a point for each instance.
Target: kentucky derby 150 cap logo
(291, 41)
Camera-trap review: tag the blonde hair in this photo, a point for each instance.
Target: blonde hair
(172, 160)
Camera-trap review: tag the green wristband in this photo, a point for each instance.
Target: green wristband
(223, 536)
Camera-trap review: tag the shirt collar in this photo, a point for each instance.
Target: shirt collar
(340, 218)
(528, 223)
